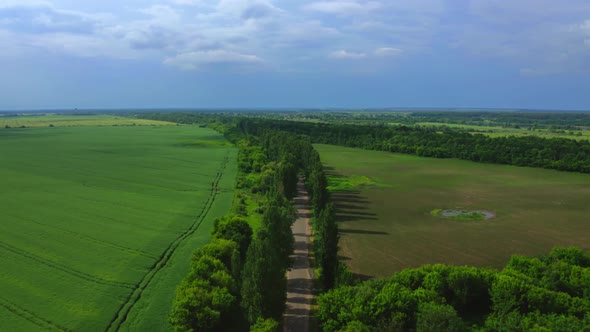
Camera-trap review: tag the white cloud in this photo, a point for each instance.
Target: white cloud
(186, 2)
(343, 54)
(195, 60)
(81, 45)
(182, 32)
(387, 51)
(24, 3)
(162, 13)
(343, 7)
(187, 32)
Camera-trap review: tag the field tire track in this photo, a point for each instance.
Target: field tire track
(63, 268)
(31, 316)
(87, 238)
(121, 315)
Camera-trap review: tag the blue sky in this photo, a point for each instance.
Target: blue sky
(295, 53)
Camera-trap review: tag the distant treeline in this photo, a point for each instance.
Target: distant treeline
(553, 153)
(551, 293)
(557, 120)
(562, 120)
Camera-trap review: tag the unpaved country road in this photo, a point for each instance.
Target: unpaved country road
(300, 277)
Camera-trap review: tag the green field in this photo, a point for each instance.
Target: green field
(497, 131)
(98, 223)
(581, 133)
(53, 120)
(386, 222)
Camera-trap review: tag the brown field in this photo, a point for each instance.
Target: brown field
(384, 203)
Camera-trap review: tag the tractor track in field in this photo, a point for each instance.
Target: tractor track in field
(121, 315)
(31, 316)
(87, 238)
(64, 268)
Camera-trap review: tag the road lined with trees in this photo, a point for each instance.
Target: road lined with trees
(545, 293)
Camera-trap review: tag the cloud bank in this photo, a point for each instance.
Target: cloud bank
(537, 36)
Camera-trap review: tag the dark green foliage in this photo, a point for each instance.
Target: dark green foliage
(373, 304)
(225, 251)
(434, 317)
(317, 184)
(277, 219)
(344, 277)
(326, 242)
(572, 255)
(234, 229)
(536, 321)
(206, 298)
(265, 325)
(264, 282)
(547, 294)
(356, 326)
(563, 270)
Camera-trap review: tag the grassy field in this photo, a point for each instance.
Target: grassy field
(386, 220)
(497, 131)
(582, 133)
(39, 121)
(98, 223)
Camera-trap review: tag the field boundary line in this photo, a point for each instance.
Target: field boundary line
(84, 237)
(121, 315)
(63, 268)
(31, 316)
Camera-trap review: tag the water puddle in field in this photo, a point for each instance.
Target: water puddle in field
(464, 214)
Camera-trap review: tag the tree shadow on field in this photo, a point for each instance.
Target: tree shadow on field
(351, 206)
(361, 231)
(362, 277)
(329, 170)
(352, 217)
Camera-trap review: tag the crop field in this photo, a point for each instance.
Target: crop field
(97, 224)
(389, 210)
(53, 120)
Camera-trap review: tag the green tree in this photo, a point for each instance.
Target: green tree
(326, 243)
(263, 280)
(235, 229)
(434, 317)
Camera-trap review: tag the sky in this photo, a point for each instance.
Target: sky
(65, 54)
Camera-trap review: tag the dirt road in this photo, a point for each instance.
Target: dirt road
(300, 277)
